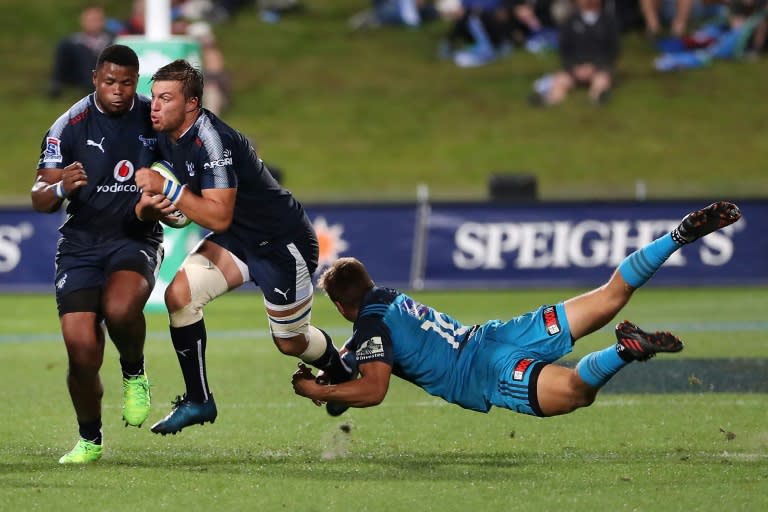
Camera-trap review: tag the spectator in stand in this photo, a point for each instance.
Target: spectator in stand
(410, 13)
(589, 49)
(677, 14)
(479, 33)
(218, 90)
(530, 24)
(741, 32)
(75, 58)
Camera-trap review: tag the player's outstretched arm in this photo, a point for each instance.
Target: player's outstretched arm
(366, 391)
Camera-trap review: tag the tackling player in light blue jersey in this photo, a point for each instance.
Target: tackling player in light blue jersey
(499, 363)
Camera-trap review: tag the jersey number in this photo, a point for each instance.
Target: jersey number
(445, 330)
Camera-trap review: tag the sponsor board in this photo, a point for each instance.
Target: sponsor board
(474, 245)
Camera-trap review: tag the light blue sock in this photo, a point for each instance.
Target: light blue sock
(639, 266)
(597, 368)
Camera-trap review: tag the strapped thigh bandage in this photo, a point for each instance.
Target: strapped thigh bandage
(206, 282)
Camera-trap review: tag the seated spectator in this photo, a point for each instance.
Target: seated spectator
(272, 11)
(676, 14)
(75, 57)
(589, 49)
(218, 89)
(410, 13)
(742, 32)
(479, 33)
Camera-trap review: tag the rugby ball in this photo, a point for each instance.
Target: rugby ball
(176, 219)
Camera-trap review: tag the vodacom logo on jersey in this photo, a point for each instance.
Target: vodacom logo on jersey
(122, 172)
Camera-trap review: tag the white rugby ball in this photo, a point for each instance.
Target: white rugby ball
(176, 219)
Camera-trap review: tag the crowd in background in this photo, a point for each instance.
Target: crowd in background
(585, 33)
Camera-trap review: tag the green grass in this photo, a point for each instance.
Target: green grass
(369, 115)
(271, 450)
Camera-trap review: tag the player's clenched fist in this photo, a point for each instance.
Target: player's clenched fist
(149, 181)
(73, 177)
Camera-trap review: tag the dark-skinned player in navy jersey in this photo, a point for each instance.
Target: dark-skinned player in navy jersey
(260, 233)
(107, 259)
(505, 364)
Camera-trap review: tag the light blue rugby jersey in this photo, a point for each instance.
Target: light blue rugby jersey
(428, 348)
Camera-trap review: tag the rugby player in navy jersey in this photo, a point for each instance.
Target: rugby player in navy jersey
(107, 259)
(496, 364)
(259, 233)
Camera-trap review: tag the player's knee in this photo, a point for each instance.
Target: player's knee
(185, 299)
(290, 331)
(176, 296)
(290, 346)
(84, 361)
(119, 313)
(581, 394)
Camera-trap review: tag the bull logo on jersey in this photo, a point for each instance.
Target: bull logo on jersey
(329, 237)
(370, 349)
(123, 171)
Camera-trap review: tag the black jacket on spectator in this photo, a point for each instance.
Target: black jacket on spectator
(583, 43)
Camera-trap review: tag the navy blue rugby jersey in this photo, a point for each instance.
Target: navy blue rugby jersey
(110, 148)
(211, 154)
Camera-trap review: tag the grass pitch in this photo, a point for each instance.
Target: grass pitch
(271, 450)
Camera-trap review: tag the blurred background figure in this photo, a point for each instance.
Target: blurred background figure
(673, 12)
(218, 80)
(76, 54)
(479, 33)
(410, 13)
(589, 49)
(190, 18)
(270, 11)
(676, 15)
(740, 32)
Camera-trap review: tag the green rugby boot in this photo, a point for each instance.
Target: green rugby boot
(84, 452)
(136, 400)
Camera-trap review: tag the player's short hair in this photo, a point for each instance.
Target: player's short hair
(346, 281)
(191, 78)
(118, 54)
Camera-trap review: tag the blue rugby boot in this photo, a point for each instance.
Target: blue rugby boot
(703, 222)
(185, 412)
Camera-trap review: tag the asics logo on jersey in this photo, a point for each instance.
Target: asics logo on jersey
(190, 168)
(146, 255)
(61, 282)
(283, 293)
(89, 142)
